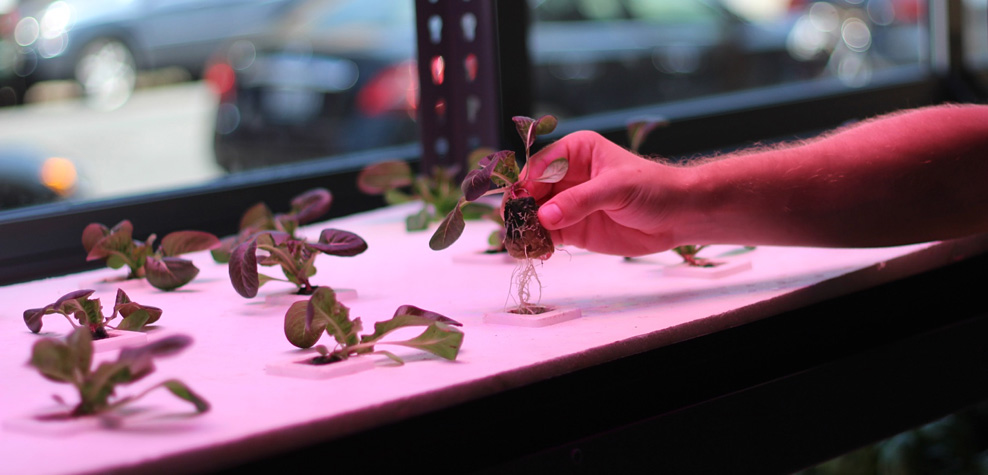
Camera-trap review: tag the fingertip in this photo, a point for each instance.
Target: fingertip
(550, 215)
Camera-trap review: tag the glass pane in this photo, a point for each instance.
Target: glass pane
(146, 95)
(592, 56)
(976, 33)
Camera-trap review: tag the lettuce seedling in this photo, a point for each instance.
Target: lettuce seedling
(162, 268)
(71, 361)
(638, 131)
(295, 256)
(306, 321)
(438, 192)
(524, 238)
(88, 313)
(304, 208)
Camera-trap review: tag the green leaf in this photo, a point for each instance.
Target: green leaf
(118, 260)
(126, 307)
(53, 359)
(135, 321)
(295, 329)
(91, 312)
(439, 339)
(99, 386)
(383, 176)
(181, 242)
(169, 273)
(179, 389)
(221, 253)
(555, 171)
(395, 197)
(545, 124)
(409, 316)
(80, 344)
(474, 210)
(323, 305)
(418, 221)
(449, 230)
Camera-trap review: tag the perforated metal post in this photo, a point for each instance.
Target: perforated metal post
(459, 80)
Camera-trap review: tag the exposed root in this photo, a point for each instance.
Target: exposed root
(522, 280)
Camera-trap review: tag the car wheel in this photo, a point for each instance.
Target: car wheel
(107, 72)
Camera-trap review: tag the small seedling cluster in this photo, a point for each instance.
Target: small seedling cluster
(162, 268)
(306, 321)
(296, 257)
(70, 362)
(78, 307)
(275, 236)
(304, 208)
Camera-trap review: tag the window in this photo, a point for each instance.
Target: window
(309, 91)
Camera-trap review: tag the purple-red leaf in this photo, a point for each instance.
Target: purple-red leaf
(169, 273)
(529, 128)
(339, 243)
(311, 205)
(92, 235)
(181, 242)
(243, 269)
(449, 230)
(476, 183)
(524, 126)
(428, 314)
(32, 318)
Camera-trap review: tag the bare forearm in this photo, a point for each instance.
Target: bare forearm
(910, 177)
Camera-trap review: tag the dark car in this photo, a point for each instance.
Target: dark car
(102, 44)
(30, 176)
(336, 76)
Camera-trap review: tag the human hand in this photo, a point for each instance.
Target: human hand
(611, 200)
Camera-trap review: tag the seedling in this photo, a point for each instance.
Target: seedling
(162, 268)
(638, 131)
(295, 256)
(438, 192)
(306, 321)
(78, 307)
(524, 237)
(71, 361)
(305, 208)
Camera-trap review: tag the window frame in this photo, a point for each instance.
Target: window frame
(44, 240)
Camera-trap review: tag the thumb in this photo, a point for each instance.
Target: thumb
(574, 204)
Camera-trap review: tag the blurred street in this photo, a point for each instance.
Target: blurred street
(160, 139)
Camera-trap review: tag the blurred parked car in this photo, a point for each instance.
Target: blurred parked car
(29, 176)
(335, 76)
(102, 44)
